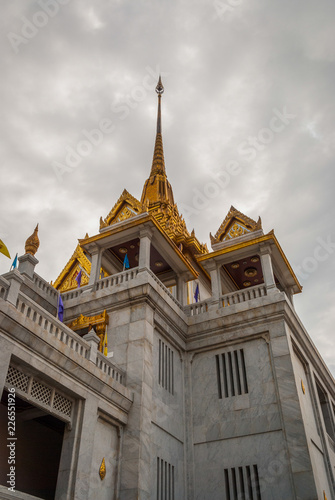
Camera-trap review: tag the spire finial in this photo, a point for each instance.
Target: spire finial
(32, 242)
(159, 87)
(159, 90)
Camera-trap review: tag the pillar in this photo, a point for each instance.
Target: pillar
(27, 265)
(215, 273)
(95, 266)
(269, 280)
(145, 245)
(15, 280)
(92, 338)
(181, 289)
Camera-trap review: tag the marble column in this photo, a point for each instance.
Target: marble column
(215, 273)
(95, 266)
(269, 280)
(145, 246)
(181, 289)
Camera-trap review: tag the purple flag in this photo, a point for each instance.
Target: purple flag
(78, 278)
(197, 293)
(60, 309)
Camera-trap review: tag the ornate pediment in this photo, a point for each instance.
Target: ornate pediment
(67, 278)
(126, 206)
(99, 322)
(235, 224)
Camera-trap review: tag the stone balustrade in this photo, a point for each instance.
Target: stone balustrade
(163, 287)
(239, 296)
(107, 367)
(52, 326)
(197, 308)
(45, 286)
(73, 294)
(117, 279)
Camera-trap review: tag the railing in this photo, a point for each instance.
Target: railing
(117, 279)
(52, 326)
(45, 286)
(107, 367)
(163, 287)
(240, 296)
(73, 294)
(109, 281)
(197, 308)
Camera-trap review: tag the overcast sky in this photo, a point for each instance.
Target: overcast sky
(246, 81)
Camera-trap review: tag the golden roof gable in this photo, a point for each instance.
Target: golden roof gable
(235, 224)
(126, 206)
(67, 278)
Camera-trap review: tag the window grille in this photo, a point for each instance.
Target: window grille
(165, 367)
(165, 480)
(231, 374)
(242, 483)
(44, 394)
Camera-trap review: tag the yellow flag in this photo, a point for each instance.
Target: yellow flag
(105, 349)
(4, 249)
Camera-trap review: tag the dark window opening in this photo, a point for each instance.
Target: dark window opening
(37, 448)
(239, 481)
(231, 374)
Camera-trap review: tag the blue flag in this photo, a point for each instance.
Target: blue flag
(126, 262)
(78, 278)
(14, 265)
(197, 293)
(60, 309)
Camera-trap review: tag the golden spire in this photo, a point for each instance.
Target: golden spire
(157, 189)
(158, 165)
(32, 242)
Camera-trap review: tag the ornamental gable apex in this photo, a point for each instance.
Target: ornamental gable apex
(67, 278)
(127, 206)
(234, 225)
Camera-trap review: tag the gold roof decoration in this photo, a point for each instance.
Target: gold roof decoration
(157, 195)
(32, 243)
(157, 190)
(67, 278)
(157, 200)
(235, 224)
(99, 321)
(126, 206)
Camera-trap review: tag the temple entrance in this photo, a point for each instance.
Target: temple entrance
(37, 449)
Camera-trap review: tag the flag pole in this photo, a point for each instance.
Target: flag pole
(58, 304)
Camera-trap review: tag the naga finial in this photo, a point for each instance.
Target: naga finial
(159, 87)
(32, 243)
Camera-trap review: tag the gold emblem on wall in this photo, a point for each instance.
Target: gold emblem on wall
(102, 470)
(303, 387)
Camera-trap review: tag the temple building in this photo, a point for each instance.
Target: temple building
(154, 368)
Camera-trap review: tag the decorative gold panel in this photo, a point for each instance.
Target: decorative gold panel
(100, 321)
